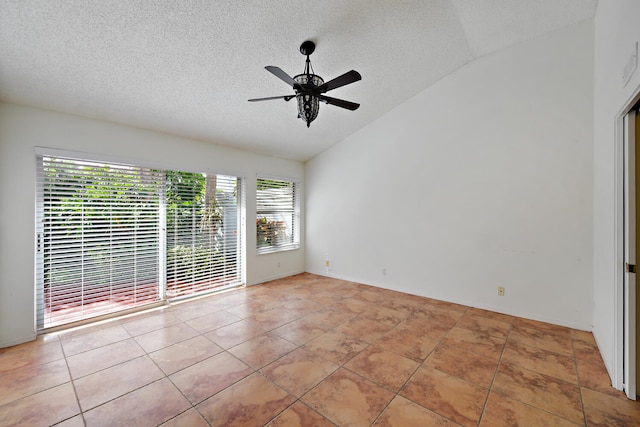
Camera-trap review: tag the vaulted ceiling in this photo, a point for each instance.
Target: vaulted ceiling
(187, 67)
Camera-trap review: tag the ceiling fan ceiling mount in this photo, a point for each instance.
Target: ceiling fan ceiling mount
(307, 47)
(310, 88)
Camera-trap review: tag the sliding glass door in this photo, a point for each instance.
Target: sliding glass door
(112, 237)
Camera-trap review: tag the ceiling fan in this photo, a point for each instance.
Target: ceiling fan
(310, 88)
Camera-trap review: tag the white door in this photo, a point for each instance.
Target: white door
(630, 255)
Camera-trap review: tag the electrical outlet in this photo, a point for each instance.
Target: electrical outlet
(501, 291)
(384, 271)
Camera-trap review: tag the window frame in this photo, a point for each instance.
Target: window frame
(237, 233)
(295, 212)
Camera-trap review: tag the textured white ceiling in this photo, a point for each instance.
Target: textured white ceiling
(187, 67)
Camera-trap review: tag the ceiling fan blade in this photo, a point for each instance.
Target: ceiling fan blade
(345, 79)
(339, 102)
(285, 97)
(283, 76)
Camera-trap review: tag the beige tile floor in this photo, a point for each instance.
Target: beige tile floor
(312, 351)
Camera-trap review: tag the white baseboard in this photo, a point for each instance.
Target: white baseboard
(278, 276)
(16, 341)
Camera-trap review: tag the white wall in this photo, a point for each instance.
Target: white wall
(482, 180)
(21, 129)
(617, 29)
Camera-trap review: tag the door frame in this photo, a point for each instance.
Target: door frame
(630, 242)
(621, 356)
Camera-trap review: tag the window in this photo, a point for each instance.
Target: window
(203, 234)
(113, 237)
(277, 215)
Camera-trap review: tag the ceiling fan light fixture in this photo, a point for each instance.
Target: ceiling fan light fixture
(308, 105)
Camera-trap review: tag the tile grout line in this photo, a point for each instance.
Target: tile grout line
(224, 350)
(73, 384)
(546, 375)
(342, 366)
(146, 354)
(575, 362)
(495, 375)
(299, 346)
(431, 352)
(422, 363)
(167, 376)
(173, 384)
(259, 370)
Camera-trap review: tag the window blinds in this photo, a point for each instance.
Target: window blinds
(203, 236)
(277, 215)
(112, 237)
(98, 239)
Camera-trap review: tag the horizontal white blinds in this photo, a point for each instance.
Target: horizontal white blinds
(203, 233)
(277, 215)
(98, 239)
(112, 237)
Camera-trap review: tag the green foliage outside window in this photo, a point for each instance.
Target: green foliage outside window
(115, 201)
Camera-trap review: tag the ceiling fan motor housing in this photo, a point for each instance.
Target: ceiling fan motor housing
(308, 105)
